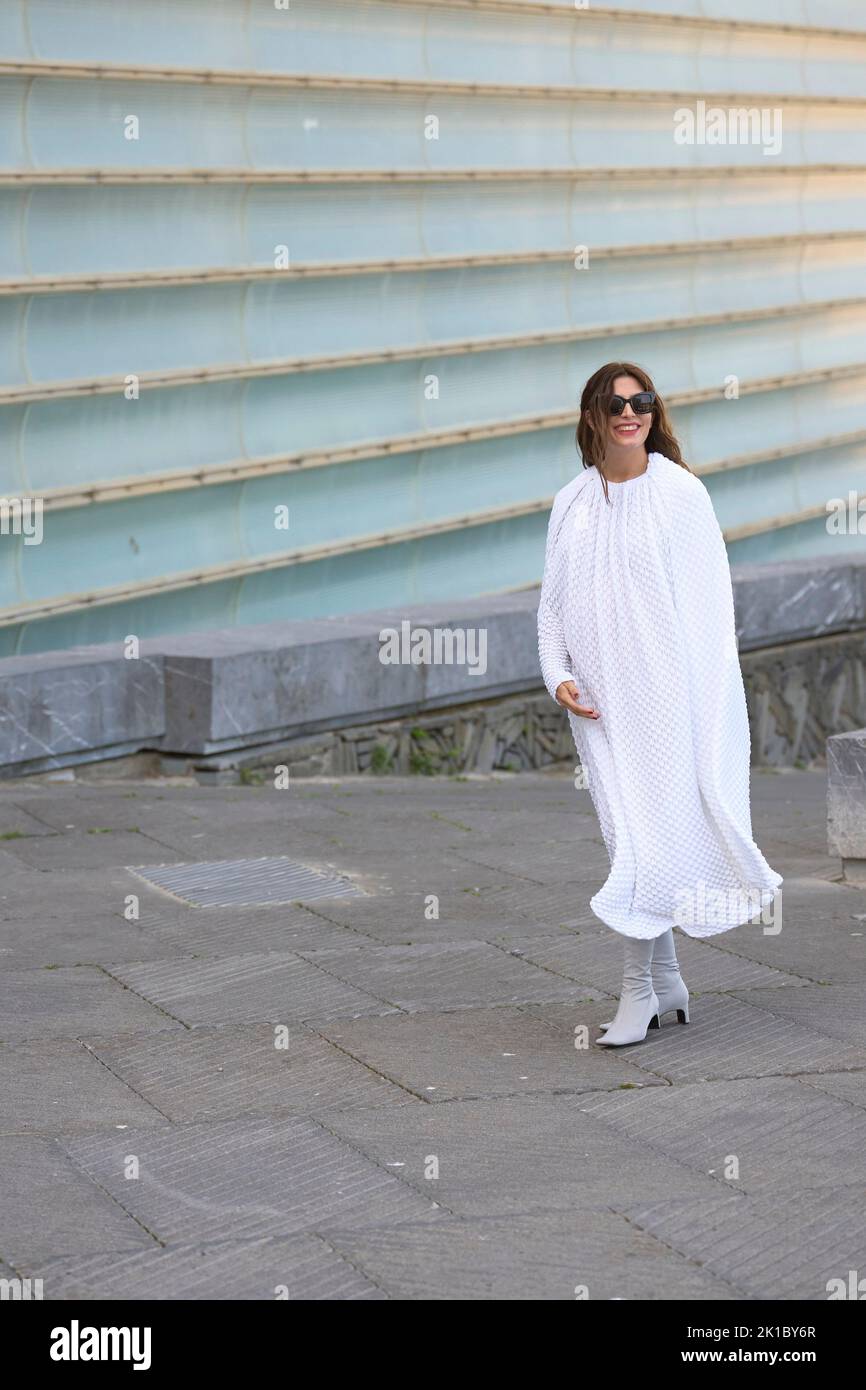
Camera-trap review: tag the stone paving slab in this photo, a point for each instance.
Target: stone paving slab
(839, 1011)
(561, 904)
(727, 1038)
(457, 975)
(61, 1088)
(786, 1136)
(779, 1246)
(576, 862)
(850, 1086)
(298, 1267)
(79, 808)
(810, 952)
(251, 816)
(494, 825)
(270, 987)
(161, 807)
(206, 840)
(421, 867)
(64, 1003)
(550, 1256)
(519, 1154)
(413, 859)
(792, 827)
(791, 821)
(788, 860)
(218, 1073)
(423, 872)
(48, 1208)
(9, 865)
(595, 957)
(587, 1014)
(811, 902)
(398, 919)
(672, 1054)
(17, 822)
(74, 896)
(97, 939)
(246, 1178)
(499, 811)
(792, 840)
(473, 1053)
(97, 849)
(822, 939)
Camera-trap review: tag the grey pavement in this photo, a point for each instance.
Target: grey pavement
(389, 1095)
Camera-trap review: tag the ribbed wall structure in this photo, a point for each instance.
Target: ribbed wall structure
(406, 385)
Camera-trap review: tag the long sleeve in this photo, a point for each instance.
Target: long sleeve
(553, 656)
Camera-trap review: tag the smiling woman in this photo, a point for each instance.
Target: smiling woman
(637, 642)
(622, 418)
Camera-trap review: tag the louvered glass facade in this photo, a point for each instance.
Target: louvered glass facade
(297, 301)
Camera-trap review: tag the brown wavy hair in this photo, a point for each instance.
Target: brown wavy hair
(591, 433)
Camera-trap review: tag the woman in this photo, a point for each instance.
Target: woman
(636, 641)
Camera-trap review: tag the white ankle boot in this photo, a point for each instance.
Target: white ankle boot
(667, 981)
(638, 1002)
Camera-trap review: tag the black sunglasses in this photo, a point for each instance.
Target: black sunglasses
(641, 403)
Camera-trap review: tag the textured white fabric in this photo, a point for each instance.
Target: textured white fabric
(637, 609)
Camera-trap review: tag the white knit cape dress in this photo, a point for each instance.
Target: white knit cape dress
(637, 609)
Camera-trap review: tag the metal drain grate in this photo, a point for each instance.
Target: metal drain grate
(245, 882)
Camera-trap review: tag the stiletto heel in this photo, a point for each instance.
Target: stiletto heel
(682, 1015)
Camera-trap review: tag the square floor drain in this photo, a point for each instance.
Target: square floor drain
(246, 882)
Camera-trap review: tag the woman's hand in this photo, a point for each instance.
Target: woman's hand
(567, 695)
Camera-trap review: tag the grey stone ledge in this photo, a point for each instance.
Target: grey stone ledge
(205, 692)
(792, 599)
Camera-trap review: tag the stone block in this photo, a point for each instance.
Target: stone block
(74, 706)
(846, 802)
(792, 599)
